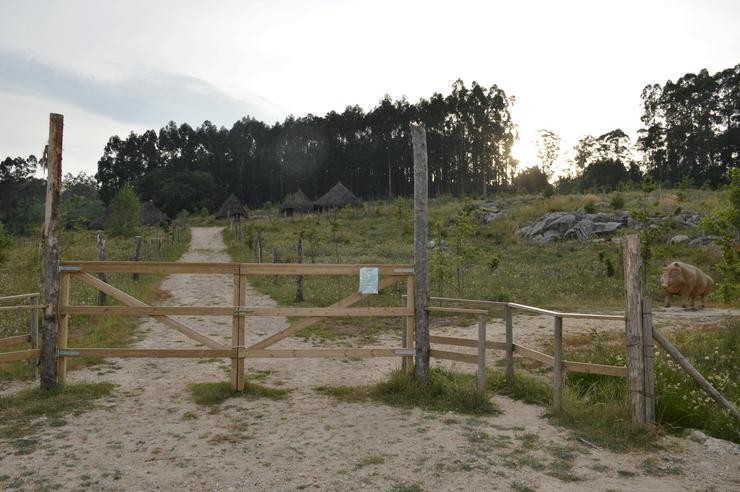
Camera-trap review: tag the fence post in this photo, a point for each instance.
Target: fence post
(481, 380)
(50, 264)
(101, 257)
(421, 294)
(137, 254)
(648, 362)
(557, 372)
(299, 278)
(274, 260)
(63, 326)
(237, 330)
(34, 330)
(633, 326)
(258, 247)
(509, 346)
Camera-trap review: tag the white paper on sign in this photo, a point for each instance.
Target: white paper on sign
(368, 280)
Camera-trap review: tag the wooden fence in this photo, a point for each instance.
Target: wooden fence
(555, 361)
(237, 351)
(32, 338)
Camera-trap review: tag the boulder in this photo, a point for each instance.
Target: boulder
(580, 226)
(679, 238)
(703, 240)
(581, 231)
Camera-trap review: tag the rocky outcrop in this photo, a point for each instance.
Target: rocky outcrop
(568, 225)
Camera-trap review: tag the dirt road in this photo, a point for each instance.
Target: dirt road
(149, 435)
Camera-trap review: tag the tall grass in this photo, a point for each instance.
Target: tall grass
(680, 403)
(21, 273)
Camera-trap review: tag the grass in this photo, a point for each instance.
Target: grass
(595, 415)
(217, 393)
(22, 271)
(23, 414)
(712, 350)
(446, 392)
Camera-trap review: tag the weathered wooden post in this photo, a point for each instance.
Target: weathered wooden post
(50, 248)
(509, 346)
(258, 247)
(633, 325)
(648, 360)
(481, 377)
(421, 291)
(299, 278)
(557, 371)
(101, 257)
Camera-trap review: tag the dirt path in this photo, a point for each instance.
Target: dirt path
(150, 435)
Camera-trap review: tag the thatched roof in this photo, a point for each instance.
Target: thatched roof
(231, 206)
(297, 201)
(151, 215)
(338, 196)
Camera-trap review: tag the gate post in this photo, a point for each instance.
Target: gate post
(50, 262)
(633, 326)
(421, 294)
(237, 329)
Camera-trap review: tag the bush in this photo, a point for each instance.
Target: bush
(125, 217)
(6, 240)
(617, 201)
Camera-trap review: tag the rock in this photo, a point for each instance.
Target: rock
(690, 218)
(571, 226)
(581, 231)
(433, 244)
(679, 238)
(606, 227)
(703, 240)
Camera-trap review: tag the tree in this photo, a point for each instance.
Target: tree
(80, 202)
(125, 211)
(548, 150)
(531, 180)
(604, 174)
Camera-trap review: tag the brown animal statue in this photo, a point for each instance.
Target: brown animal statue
(686, 280)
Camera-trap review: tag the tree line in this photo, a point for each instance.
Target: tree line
(691, 135)
(470, 133)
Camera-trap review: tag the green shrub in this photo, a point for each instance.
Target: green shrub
(125, 213)
(6, 241)
(617, 201)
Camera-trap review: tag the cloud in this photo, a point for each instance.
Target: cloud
(144, 97)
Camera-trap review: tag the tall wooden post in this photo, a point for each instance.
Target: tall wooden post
(557, 371)
(509, 346)
(633, 325)
(481, 376)
(237, 331)
(101, 257)
(421, 291)
(50, 247)
(409, 325)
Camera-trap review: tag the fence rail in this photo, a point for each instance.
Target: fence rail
(555, 361)
(32, 338)
(388, 274)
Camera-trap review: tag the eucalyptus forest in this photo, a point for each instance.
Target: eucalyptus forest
(690, 134)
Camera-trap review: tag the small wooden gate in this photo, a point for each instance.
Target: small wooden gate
(237, 351)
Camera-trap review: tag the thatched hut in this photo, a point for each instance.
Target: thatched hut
(296, 202)
(232, 207)
(337, 197)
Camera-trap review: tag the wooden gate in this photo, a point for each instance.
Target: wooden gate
(237, 351)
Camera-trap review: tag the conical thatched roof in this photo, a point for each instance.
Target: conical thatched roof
(231, 206)
(297, 202)
(337, 197)
(151, 215)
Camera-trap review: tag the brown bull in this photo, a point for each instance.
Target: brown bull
(686, 280)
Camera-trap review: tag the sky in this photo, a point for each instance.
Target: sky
(575, 67)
